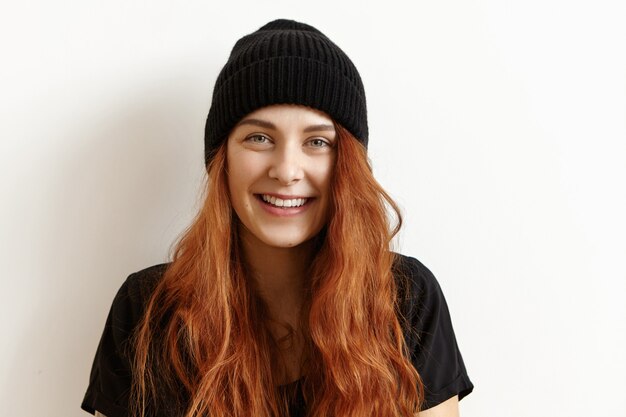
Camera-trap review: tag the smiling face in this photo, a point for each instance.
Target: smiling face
(280, 162)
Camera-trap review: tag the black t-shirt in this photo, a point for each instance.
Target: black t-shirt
(429, 336)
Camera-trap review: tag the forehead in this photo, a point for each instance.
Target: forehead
(290, 114)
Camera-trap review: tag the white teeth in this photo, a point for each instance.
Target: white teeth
(279, 202)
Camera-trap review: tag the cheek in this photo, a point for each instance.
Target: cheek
(245, 166)
(238, 170)
(237, 191)
(323, 174)
(244, 170)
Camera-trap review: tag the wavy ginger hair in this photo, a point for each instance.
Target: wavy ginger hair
(204, 343)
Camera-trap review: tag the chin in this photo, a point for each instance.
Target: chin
(285, 243)
(281, 237)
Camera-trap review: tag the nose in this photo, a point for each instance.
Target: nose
(287, 165)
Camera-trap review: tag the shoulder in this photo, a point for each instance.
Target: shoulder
(410, 266)
(429, 333)
(133, 295)
(420, 301)
(141, 283)
(414, 280)
(110, 378)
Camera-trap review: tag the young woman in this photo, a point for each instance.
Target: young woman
(283, 297)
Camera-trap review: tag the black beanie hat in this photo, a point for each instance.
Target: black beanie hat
(286, 62)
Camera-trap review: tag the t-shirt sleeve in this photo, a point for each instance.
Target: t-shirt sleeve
(110, 378)
(430, 337)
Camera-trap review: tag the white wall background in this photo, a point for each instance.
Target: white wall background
(499, 126)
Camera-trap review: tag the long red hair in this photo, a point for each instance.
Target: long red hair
(204, 348)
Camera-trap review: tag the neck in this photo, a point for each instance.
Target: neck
(279, 274)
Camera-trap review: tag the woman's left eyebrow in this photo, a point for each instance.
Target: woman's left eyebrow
(257, 122)
(318, 128)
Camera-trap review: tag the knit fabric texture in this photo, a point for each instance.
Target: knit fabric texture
(286, 62)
